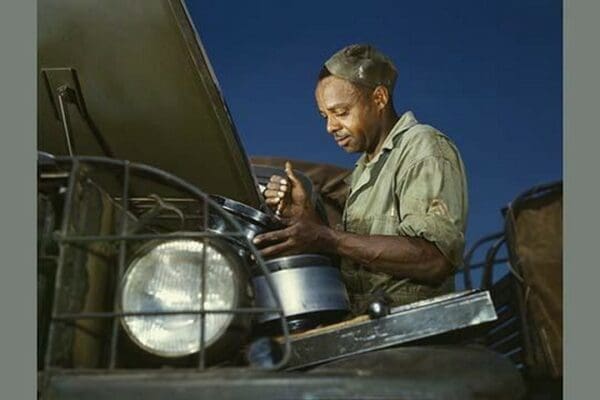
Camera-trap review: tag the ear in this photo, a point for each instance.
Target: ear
(381, 97)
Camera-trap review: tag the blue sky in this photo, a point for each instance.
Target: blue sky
(486, 73)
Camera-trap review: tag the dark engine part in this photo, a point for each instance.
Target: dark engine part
(251, 220)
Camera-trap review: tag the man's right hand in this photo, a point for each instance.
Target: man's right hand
(288, 197)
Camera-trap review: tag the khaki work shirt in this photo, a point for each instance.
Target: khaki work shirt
(415, 186)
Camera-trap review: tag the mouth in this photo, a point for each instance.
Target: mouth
(343, 141)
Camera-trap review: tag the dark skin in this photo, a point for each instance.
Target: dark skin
(359, 120)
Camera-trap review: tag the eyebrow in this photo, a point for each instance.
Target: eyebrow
(337, 106)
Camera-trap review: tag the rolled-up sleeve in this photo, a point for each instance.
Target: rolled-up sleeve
(432, 205)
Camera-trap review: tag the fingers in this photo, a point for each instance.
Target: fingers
(275, 193)
(276, 189)
(277, 186)
(277, 242)
(269, 193)
(276, 248)
(278, 179)
(272, 201)
(272, 236)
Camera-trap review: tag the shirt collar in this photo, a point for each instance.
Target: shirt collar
(406, 121)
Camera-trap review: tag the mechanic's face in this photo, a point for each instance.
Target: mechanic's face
(352, 116)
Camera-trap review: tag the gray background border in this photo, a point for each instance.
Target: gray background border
(581, 177)
(17, 205)
(17, 210)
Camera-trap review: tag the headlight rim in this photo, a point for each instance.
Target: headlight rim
(241, 298)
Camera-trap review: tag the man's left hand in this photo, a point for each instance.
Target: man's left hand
(301, 236)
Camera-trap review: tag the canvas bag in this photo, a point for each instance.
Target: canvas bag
(534, 240)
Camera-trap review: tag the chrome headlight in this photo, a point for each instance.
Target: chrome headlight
(168, 277)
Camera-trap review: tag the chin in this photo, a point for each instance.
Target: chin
(351, 150)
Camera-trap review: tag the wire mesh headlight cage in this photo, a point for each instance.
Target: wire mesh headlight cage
(116, 213)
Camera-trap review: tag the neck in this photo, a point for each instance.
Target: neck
(388, 122)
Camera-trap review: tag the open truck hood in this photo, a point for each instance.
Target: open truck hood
(139, 81)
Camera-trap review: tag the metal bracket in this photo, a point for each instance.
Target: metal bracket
(404, 324)
(59, 79)
(62, 85)
(66, 94)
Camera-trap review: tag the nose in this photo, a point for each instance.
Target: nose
(333, 125)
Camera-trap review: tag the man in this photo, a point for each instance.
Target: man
(404, 219)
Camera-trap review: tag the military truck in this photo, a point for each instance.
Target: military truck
(149, 285)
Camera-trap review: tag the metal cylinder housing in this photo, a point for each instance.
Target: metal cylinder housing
(308, 286)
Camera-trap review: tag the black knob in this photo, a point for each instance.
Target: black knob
(378, 309)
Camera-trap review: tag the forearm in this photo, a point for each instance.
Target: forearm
(400, 256)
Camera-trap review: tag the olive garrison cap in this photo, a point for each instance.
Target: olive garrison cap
(363, 64)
